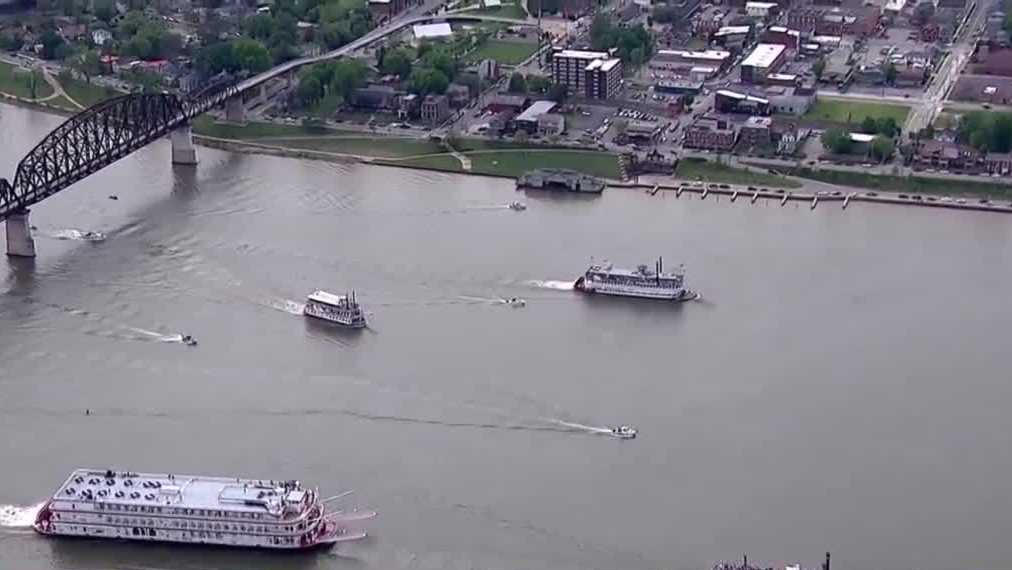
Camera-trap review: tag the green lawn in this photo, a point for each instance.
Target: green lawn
(85, 93)
(914, 184)
(698, 169)
(362, 145)
(515, 163)
(505, 52)
(205, 125)
(855, 111)
(16, 81)
(443, 162)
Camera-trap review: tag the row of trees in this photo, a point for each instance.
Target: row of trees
(537, 85)
(838, 141)
(242, 54)
(635, 44)
(332, 78)
(987, 131)
(147, 37)
(885, 126)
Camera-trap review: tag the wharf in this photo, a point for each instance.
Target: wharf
(814, 198)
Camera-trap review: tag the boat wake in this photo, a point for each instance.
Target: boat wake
(157, 336)
(287, 306)
(78, 235)
(581, 427)
(554, 285)
(14, 516)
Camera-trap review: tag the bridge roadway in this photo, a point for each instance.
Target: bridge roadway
(108, 131)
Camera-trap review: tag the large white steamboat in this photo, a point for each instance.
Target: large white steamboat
(195, 509)
(640, 282)
(341, 309)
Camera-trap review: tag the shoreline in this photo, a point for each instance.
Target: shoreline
(845, 194)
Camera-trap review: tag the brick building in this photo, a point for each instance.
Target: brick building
(709, 133)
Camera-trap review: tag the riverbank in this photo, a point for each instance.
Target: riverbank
(509, 160)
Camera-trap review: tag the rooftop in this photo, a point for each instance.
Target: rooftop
(711, 54)
(764, 55)
(733, 30)
(184, 491)
(440, 30)
(327, 298)
(536, 109)
(758, 122)
(582, 54)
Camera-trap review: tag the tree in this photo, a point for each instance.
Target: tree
(425, 81)
(33, 84)
(882, 148)
(396, 62)
(88, 63)
(837, 141)
(259, 27)
(348, 75)
(104, 10)
(310, 90)
(517, 83)
(70, 8)
(869, 125)
(558, 93)
(11, 41)
(538, 84)
(439, 59)
(818, 68)
(887, 126)
(890, 73)
(53, 46)
(251, 55)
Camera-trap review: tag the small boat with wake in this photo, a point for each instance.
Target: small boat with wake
(188, 340)
(624, 432)
(515, 302)
(517, 206)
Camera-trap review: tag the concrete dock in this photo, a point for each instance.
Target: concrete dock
(815, 198)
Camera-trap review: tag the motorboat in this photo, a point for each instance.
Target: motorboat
(189, 340)
(517, 206)
(516, 302)
(624, 432)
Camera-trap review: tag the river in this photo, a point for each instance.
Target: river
(842, 385)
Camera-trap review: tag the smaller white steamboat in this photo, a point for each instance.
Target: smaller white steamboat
(341, 309)
(640, 282)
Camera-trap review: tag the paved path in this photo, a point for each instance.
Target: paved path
(58, 90)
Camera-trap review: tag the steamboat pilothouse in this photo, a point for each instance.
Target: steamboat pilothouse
(639, 282)
(197, 510)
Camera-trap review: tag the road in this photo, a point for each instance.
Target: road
(922, 114)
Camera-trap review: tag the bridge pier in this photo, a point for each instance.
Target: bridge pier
(183, 151)
(20, 242)
(235, 110)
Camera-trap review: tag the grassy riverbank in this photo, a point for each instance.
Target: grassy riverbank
(18, 82)
(699, 169)
(907, 184)
(514, 162)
